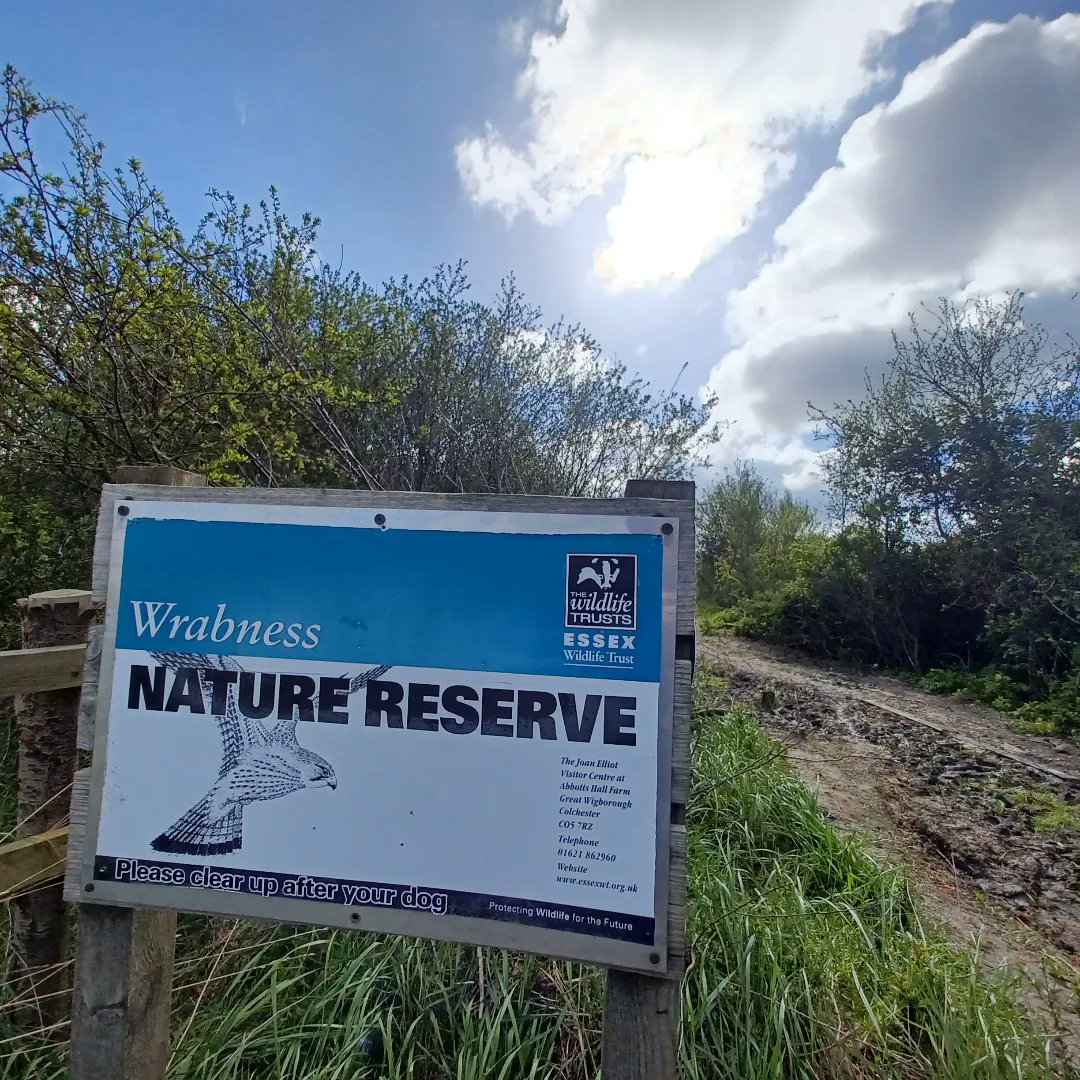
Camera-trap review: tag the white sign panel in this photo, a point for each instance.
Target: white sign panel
(454, 724)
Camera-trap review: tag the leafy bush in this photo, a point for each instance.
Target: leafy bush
(1058, 710)
(991, 686)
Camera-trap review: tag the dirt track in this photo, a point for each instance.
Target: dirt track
(939, 785)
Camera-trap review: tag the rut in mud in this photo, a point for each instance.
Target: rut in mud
(942, 786)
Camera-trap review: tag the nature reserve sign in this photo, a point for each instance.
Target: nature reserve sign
(417, 717)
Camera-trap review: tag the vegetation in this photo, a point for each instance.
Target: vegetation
(1049, 812)
(234, 351)
(756, 552)
(808, 959)
(1057, 711)
(955, 495)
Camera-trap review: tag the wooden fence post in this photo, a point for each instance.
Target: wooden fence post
(46, 722)
(124, 958)
(642, 1012)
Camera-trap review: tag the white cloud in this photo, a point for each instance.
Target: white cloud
(691, 104)
(964, 184)
(515, 34)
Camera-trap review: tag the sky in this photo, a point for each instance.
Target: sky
(744, 197)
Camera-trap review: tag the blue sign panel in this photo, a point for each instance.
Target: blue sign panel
(543, 604)
(418, 720)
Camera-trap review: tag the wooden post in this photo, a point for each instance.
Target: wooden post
(124, 960)
(46, 721)
(162, 475)
(641, 1012)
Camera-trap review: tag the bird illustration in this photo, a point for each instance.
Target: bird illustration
(257, 765)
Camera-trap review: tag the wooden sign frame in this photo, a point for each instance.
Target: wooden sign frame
(664, 957)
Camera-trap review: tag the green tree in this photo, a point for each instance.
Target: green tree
(235, 351)
(962, 457)
(120, 340)
(975, 412)
(751, 538)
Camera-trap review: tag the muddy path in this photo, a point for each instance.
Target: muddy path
(946, 788)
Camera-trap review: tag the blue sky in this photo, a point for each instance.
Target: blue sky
(375, 116)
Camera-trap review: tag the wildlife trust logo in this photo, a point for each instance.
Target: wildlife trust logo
(601, 591)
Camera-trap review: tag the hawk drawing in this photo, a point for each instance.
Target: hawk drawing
(257, 764)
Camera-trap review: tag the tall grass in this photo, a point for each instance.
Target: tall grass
(808, 959)
(811, 958)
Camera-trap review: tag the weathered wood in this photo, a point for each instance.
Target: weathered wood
(680, 788)
(84, 736)
(27, 863)
(123, 992)
(641, 1027)
(46, 721)
(677, 904)
(641, 1012)
(124, 962)
(80, 804)
(165, 475)
(680, 741)
(31, 671)
(679, 496)
(406, 500)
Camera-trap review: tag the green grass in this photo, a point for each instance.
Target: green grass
(1049, 812)
(815, 958)
(807, 959)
